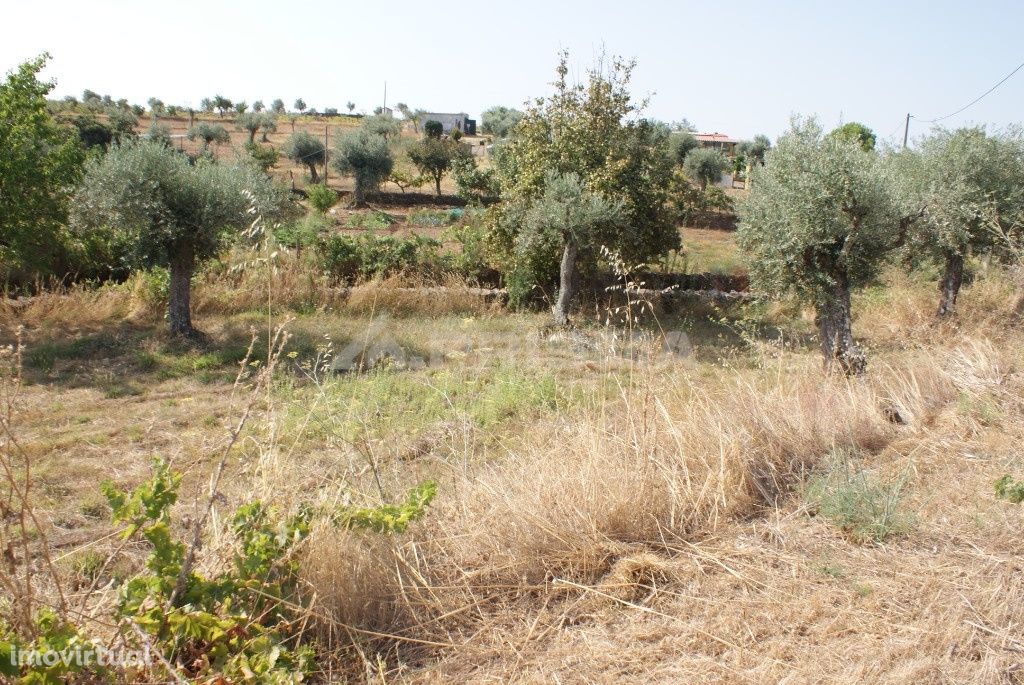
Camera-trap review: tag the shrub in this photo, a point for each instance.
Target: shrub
(854, 132)
(680, 144)
(1010, 489)
(382, 125)
(350, 259)
(433, 129)
(474, 184)
(265, 156)
(864, 507)
(320, 197)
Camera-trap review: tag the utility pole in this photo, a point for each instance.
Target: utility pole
(326, 151)
(384, 109)
(906, 131)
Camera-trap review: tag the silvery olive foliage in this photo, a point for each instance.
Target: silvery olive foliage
(366, 157)
(819, 222)
(960, 182)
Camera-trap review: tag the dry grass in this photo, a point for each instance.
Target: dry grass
(651, 530)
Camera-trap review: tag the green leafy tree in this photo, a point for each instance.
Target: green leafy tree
(963, 190)
(590, 129)
(177, 214)
(222, 104)
(818, 223)
(857, 133)
(680, 144)
(499, 120)
(39, 162)
(350, 106)
(308, 150)
(433, 128)
(705, 166)
(241, 106)
(300, 105)
(365, 156)
(434, 157)
(258, 106)
(277, 106)
(156, 107)
(320, 197)
(753, 151)
(265, 156)
(209, 134)
(206, 104)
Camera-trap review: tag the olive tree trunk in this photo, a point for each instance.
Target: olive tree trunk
(437, 184)
(179, 313)
(833, 319)
(359, 195)
(949, 286)
(314, 177)
(566, 282)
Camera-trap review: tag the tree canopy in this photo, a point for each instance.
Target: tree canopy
(365, 156)
(499, 120)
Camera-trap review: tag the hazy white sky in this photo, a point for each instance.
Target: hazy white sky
(740, 67)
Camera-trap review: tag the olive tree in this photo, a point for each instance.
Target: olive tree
(680, 144)
(268, 124)
(499, 120)
(819, 222)
(572, 220)
(957, 186)
(300, 105)
(365, 156)
(308, 150)
(222, 104)
(705, 166)
(383, 125)
(590, 129)
(209, 133)
(250, 122)
(277, 106)
(174, 213)
(434, 157)
(258, 106)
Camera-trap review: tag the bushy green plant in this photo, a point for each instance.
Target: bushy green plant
(235, 625)
(433, 128)
(854, 132)
(265, 156)
(474, 184)
(1010, 489)
(961, 192)
(863, 506)
(39, 163)
(372, 221)
(321, 198)
(680, 144)
(350, 259)
(472, 260)
(383, 125)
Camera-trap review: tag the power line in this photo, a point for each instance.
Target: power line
(975, 100)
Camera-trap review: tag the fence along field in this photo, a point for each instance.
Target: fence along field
(350, 465)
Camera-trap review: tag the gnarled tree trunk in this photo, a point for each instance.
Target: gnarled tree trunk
(949, 286)
(358, 195)
(179, 313)
(566, 282)
(833, 319)
(314, 177)
(437, 184)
